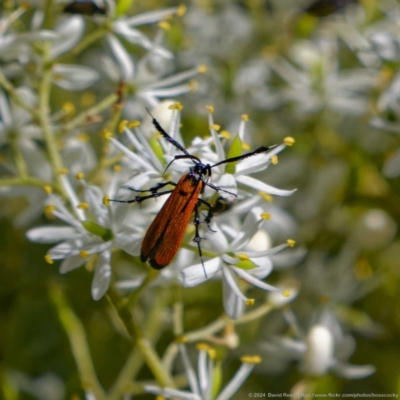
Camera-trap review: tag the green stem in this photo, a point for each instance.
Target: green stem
(23, 181)
(135, 295)
(85, 116)
(143, 344)
(88, 40)
(44, 114)
(18, 157)
(152, 329)
(12, 92)
(77, 338)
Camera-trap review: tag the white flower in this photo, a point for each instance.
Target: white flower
(205, 386)
(315, 80)
(86, 237)
(325, 348)
(229, 255)
(235, 260)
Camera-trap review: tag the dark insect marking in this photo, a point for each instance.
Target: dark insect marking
(183, 193)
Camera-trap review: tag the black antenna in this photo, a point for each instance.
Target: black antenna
(261, 149)
(165, 134)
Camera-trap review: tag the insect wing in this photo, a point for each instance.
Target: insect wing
(165, 234)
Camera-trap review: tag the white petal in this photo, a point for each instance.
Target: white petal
(150, 17)
(73, 198)
(258, 162)
(93, 196)
(216, 239)
(350, 371)
(189, 371)
(204, 379)
(51, 234)
(217, 141)
(74, 77)
(228, 183)
(139, 161)
(318, 357)
(5, 111)
(263, 269)
(194, 275)
(66, 249)
(69, 33)
(235, 383)
(249, 228)
(254, 281)
(258, 185)
(168, 393)
(35, 158)
(269, 252)
(71, 263)
(102, 275)
(128, 242)
(132, 35)
(229, 278)
(174, 79)
(233, 304)
(279, 299)
(123, 58)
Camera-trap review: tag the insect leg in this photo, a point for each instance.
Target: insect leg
(218, 189)
(210, 213)
(153, 189)
(197, 238)
(139, 199)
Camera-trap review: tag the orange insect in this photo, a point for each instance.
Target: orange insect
(165, 234)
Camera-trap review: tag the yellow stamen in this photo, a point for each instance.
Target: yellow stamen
(291, 242)
(106, 134)
(289, 141)
(176, 106)
(274, 160)
(83, 254)
(251, 359)
(245, 117)
(48, 259)
(133, 124)
(245, 146)
(80, 175)
(48, 211)
(202, 69)
(265, 216)
(181, 10)
(106, 200)
(243, 257)
(68, 108)
(83, 206)
(193, 85)
(210, 109)
(212, 353)
(202, 346)
(164, 25)
(48, 189)
(286, 293)
(225, 134)
(117, 168)
(181, 339)
(215, 126)
(267, 197)
(122, 125)
(250, 302)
